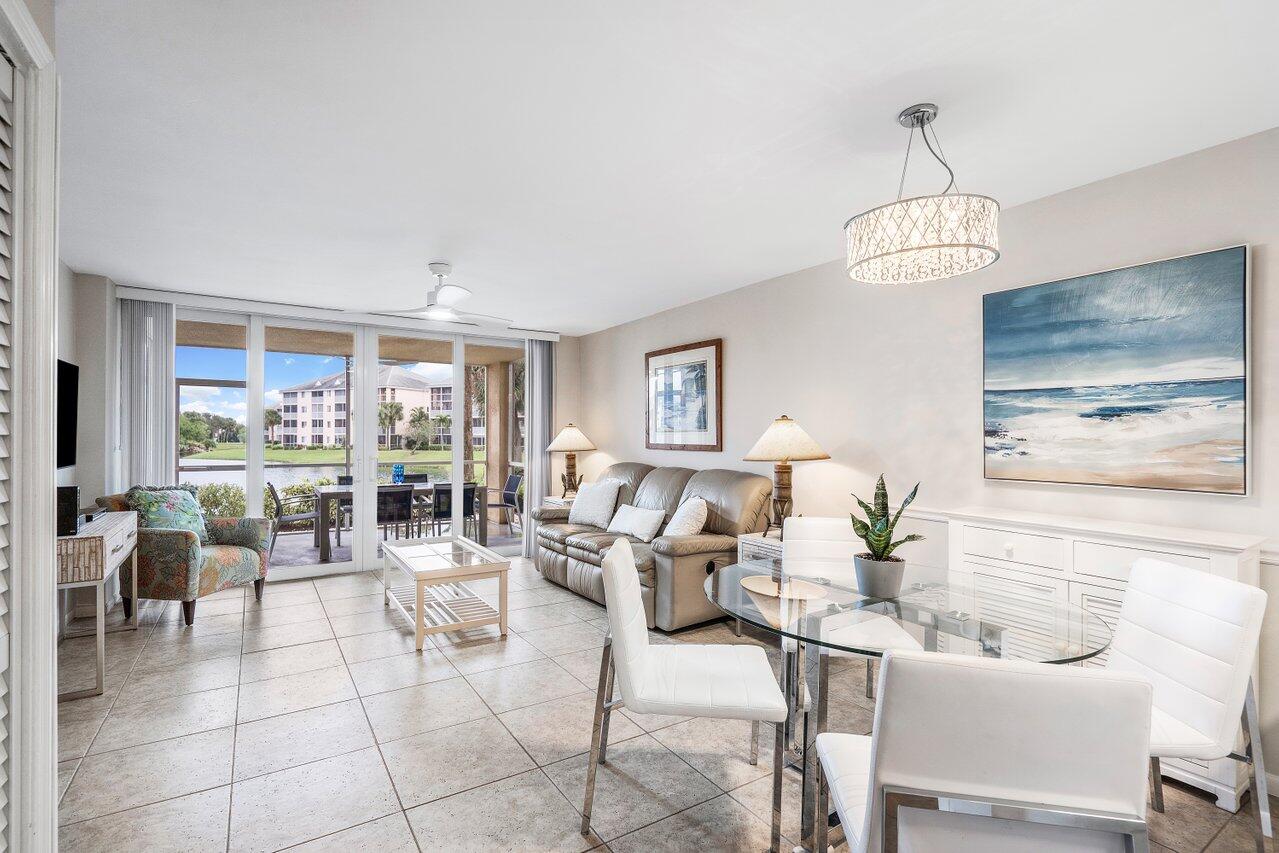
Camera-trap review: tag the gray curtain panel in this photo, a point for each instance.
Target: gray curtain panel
(539, 409)
(148, 403)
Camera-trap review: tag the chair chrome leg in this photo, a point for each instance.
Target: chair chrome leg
(1253, 727)
(606, 661)
(1138, 842)
(608, 711)
(779, 761)
(1156, 786)
(821, 819)
(870, 678)
(754, 742)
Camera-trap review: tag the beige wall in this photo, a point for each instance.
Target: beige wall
(889, 379)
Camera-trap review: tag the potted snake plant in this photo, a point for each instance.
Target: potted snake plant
(879, 573)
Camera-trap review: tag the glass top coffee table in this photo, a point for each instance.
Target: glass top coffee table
(431, 591)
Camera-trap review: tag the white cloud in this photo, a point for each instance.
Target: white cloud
(433, 372)
(273, 397)
(198, 406)
(289, 360)
(200, 392)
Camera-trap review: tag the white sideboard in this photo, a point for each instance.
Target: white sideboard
(1039, 560)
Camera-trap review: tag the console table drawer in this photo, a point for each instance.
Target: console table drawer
(1115, 561)
(1015, 546)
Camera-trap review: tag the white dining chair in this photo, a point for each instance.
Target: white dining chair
(733, 682)
(1195, 636)
(1021, 756)
(824, 547)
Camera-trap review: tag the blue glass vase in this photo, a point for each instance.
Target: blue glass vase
(397, 473)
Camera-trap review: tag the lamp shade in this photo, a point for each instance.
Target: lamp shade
(570, 440)
(785, 441)
(923, 239)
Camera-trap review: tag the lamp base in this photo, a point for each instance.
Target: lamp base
(782, 503)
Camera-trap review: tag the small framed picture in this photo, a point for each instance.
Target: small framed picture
(685, 399)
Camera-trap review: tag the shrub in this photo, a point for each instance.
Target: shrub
(221, 500)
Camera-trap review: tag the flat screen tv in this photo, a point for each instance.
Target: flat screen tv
(68, 394)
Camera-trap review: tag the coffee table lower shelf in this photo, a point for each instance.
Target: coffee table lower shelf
(446, 607)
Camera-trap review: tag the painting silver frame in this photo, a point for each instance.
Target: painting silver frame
(1247, 375)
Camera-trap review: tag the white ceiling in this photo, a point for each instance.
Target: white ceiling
(586, 163)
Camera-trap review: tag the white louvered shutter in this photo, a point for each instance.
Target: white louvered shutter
(6, 313)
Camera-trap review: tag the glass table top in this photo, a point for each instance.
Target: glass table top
(993, 617)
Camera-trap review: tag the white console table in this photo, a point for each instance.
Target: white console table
(1038, 559)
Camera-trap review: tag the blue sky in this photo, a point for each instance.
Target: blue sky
(1178, 319)
(281, 370)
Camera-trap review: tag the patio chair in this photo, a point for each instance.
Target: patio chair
(346, 507)
(511, 503)
(395, 508)
(441, 509)
(283, 515)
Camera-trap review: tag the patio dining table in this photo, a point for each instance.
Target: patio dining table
(328, 497)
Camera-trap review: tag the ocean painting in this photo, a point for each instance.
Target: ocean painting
(1133, 377)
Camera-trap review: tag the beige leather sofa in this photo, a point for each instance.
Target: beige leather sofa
(672, 569)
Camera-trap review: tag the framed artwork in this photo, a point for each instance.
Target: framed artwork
(1134, 377)
(685, 401)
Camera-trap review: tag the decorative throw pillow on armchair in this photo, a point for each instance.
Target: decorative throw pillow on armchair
(173, 509)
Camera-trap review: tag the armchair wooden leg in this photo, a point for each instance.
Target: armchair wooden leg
(188, 612)
(258, 586)
(126, 604)
(1156, 786)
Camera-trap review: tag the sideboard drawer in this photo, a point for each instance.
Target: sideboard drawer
(1014, 546)
(1115, 561)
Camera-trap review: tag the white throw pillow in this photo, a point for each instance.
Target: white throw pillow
(643, 524)
(689, 518)
(594, 504)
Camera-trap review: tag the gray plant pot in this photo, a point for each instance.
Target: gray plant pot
(879, 578)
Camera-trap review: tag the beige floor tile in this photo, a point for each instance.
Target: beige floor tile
(1190, 819)
(276, 743)
(261, 699)
(1237, 836)
(390, 834)
(552, 593)
(294, 634)
(584, 608)
(115, 781)
(583, 665)
(383, 674)
(382, 644)
(758, 797)
(423, 708)
(289, 660)
(490, 653)
(358, 604)
(232, 594)
(720, 749)
(272, 617)
(76, 733)
(565, 638)
(195, 823)
(560, 728)
(302, 803)
(523, 684)
(516, 599)
(336, 587)
(147, 722)
(366, 623)
(205, 625)
(206, 606)
(542, 616)
(436, 764)
(164, 651)
(66, 769)
(723, 824)
(652, 722)
(177, 681)
(642, 782)
(276, 596)
(524, 812)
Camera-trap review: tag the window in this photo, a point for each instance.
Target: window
(339, 407)
(290, 409)
(317, 439)
(339, 424)
(211, 367)
(317, 424)
(317, 395)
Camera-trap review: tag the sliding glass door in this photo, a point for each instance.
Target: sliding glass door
(492, 440)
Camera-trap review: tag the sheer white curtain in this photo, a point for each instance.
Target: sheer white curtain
(539, 409)
(148, 430)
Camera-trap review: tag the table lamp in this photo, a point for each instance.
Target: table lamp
(570, 442)
(784, 442)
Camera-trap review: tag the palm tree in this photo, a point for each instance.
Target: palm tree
(442, 423)
(272, 420)
(388, 415)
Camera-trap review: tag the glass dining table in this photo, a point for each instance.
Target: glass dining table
(813, 607)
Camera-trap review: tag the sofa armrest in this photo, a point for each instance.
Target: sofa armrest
(252, 533)
(701, 543)
(551, 513)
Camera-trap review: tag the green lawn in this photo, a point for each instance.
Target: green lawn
(327, 456)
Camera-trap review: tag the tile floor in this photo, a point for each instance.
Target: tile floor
(307, 721)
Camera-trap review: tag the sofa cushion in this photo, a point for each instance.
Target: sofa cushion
(735, 500)
(629, 475)
(557, 533)
(645, 563)
(225, 566)
(596, 542)
(662, 489)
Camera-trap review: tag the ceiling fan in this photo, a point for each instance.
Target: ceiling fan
(443, 299)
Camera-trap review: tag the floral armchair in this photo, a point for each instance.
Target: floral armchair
(174, 566)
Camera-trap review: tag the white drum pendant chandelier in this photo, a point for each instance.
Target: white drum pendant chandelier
(924, 238)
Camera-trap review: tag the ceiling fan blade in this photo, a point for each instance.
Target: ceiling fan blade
(449, 295)
(485, 319)
(418, 310)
